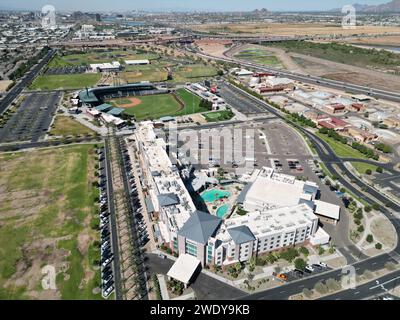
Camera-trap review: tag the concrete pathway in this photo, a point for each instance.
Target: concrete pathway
(163, 287)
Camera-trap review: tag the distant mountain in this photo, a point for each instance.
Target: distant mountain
(390, 7)
(261, 11)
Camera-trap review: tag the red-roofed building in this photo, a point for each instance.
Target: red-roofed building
(335, 108)
(357, 107)
(332, 123)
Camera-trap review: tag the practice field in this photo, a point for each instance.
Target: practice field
(98, 57)
(65, 126)
(144, 74)
(157, 106)
(47, 217)
(259, 56)
(70, 81)
(193, 72)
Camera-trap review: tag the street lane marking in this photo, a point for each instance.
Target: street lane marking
(382, 284)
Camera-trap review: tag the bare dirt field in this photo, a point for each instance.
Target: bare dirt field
(384, 232)
(332, 70)
(4, 84)
(379, 41)
(276, 29)
(214, 47)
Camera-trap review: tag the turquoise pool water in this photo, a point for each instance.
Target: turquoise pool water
(214, 194)
(221, 211)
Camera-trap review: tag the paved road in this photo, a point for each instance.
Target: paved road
(373, 288)
(205, 287)
(25, 81)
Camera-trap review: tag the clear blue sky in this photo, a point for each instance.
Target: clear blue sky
(211, 5)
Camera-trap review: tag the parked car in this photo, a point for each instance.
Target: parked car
(310, 268)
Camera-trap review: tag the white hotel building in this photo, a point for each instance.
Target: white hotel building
(281, 211)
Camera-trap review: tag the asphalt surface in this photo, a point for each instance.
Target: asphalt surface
(24, 82)
(32, 119)
(205, 287)
(383, 285)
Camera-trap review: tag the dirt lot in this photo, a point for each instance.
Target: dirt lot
(277, 29)
(384, 232)
(332, 70)
(4, 84)
(214, 47)
(46, 212)
(379, 41)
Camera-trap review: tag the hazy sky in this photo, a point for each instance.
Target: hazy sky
(217, 5)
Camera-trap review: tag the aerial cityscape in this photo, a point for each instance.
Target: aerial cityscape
(171, 150)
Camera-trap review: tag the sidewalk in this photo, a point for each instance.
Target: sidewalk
(163, 287)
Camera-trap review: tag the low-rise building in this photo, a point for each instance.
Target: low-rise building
(106, 67)
(335, 108)
(392, 122)
(137, 62)
(360, 135)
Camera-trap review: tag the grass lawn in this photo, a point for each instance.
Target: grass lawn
(65, 126)
(362, 167)
(154, 107)
(218, 116)
(98, 57)
(195, 72)
(259, 56)
(69, 81)
(152, 75)
(47, 210)
(157, 106)
(341, 150)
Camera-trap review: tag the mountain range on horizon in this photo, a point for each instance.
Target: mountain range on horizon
(389, 7)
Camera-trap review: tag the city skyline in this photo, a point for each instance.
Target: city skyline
(177, 5)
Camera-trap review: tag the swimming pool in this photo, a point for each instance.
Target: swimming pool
(221, 211)
(214, 194)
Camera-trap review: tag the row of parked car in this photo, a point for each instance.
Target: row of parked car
(107, 255)
(141, 229)
(308, 270)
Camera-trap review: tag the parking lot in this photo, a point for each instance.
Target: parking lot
(32, 119)
(66, 70)
(310, 270)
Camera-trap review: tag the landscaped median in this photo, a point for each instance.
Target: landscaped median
(216, 116)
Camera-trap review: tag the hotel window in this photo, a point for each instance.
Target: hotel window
(191, 248)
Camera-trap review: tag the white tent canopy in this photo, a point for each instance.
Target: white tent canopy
(184, 268)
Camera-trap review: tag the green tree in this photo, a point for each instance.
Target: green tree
(290, 254)
(378, 246)
(370, 238)
(304, 251)
(300, 264)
